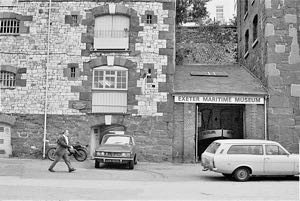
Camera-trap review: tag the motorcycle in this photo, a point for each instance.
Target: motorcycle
(79, 152)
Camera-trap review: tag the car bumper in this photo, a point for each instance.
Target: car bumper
(113, 160)
(209, 167)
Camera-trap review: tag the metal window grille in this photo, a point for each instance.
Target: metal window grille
(7, 79)
(74, 19)
(149, 19)
(73, 72)
(9, 26)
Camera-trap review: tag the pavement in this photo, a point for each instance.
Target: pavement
(29, 179)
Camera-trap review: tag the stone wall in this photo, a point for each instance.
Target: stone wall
(152, 136)
(151, 46)
(275, 60)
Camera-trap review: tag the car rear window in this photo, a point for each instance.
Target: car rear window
(213, 147)
(246, 149)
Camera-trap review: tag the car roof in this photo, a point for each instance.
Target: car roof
(119, 135)
(245, 141)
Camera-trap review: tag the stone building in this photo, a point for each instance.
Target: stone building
(269, 42)
(91, 66)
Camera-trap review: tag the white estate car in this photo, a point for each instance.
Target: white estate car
(241, 158)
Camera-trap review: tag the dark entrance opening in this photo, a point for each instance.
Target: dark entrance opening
(217, 121)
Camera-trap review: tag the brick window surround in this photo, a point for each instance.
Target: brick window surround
(17, 72)
(4, 16)
(134, 27)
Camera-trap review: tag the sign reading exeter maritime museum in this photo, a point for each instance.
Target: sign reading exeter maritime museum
(219, 99)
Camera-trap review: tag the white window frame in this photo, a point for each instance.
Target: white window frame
(105, 69)
(109, 34)
(7, 79)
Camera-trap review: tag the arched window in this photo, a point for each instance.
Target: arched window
(109, 89)
(7, 79)
(255, 27)
(111, 32)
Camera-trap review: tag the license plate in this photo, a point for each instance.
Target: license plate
(112, 161)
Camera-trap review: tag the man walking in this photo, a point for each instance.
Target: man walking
(61, 152)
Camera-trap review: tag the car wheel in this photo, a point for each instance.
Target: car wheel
(97, 164)
(242, 174)
(131, 165)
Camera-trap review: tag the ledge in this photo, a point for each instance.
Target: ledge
(246, 54)
(254, 43)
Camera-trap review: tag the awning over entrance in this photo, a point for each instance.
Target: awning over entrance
(193, 82)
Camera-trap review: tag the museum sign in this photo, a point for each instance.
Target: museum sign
(222, 99)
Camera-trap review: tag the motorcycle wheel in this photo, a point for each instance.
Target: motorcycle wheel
(51, 153)
(80, 155)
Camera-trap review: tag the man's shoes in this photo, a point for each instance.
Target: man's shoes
(51, 170)
(72, 169)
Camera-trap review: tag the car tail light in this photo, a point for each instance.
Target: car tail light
(213, 163)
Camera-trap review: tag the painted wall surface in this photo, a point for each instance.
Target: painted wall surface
(69, 99)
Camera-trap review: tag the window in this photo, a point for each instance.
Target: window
(74, 19)
(220, 14)
(149, 19)
(109, 90)
(246, 41)
(110, 78)
(9, 26)
(111, 32)
(7, 79)
(255, 21)
(73, 72)
(275, 150)
(213, 147)
(246, 149)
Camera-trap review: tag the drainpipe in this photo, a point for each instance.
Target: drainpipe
(46, 87)
(265, 118)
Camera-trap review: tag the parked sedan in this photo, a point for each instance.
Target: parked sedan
(242, 158)
(116, 148)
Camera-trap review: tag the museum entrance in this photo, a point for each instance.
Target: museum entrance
(218, 121)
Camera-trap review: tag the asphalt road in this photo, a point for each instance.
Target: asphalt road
(30, 180)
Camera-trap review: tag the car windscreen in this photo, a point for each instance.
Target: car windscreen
(116, 140)
(213, 147)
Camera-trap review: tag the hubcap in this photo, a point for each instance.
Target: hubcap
(242, 174)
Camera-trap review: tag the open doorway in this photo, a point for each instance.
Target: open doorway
(218, 121)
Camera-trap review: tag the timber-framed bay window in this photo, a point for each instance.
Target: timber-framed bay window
(7, 79)
(111, 32)
(110, 89)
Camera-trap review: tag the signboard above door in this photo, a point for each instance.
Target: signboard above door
(221, 99)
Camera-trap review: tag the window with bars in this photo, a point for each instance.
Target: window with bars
(9, 26)
(74, 19)
(149, 19)
(110, 78)
(7, 79)
(73, 72)
(111, 32)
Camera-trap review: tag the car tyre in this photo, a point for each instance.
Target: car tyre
(131, 165)
(242, 174)
(97, 164)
